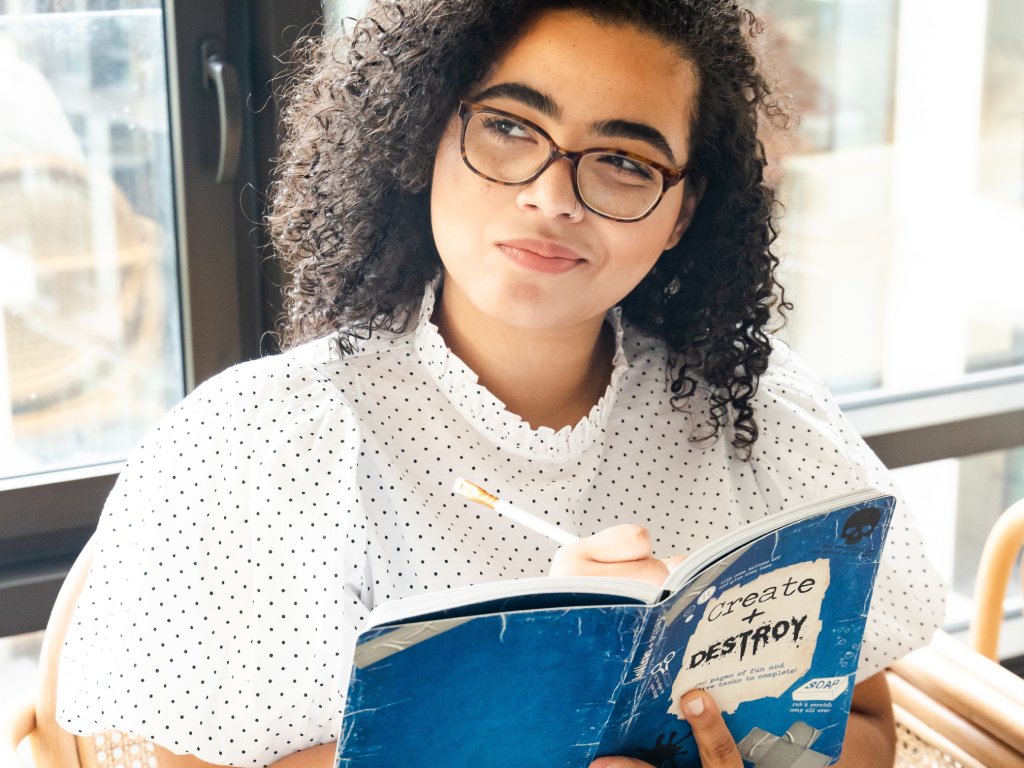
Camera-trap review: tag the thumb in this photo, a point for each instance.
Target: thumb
(714, 742)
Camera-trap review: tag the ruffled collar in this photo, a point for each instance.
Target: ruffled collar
(490, 416)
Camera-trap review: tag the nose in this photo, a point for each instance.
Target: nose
(551, 194)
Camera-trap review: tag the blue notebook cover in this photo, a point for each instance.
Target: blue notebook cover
(772, 628)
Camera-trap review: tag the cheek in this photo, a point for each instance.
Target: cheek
(641, 244)
(456, 192)
(449, 197)
(445, 182)
(463, 207)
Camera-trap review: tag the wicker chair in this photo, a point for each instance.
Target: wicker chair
(954, 707)
(1001, 549)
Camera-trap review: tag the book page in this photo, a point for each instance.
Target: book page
(526, 594)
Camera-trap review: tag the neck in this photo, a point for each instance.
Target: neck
(549, 378)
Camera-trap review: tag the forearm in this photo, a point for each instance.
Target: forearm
(314, 757)
(870, 742)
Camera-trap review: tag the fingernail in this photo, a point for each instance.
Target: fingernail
(695, 706)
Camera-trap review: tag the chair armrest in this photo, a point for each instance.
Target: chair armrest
(1001, 547)
(934, 728)
(985, 669)
(973, 687)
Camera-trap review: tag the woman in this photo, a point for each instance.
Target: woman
(529, 245)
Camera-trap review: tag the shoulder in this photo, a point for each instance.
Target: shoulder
(278, 374)
(793, 404)
(305, 377)
(648, 355)
(297, 400)
(806, 448)
(790, 384)
(253, 394)
(237, 418)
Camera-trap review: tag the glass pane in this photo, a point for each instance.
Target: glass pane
(956, 502)
(903, 187)
(89, 333)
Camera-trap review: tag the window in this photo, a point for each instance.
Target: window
(90, 325)
(130, 270)
(901, 239)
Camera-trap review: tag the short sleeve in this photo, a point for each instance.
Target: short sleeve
(220, 612)
(807, 451)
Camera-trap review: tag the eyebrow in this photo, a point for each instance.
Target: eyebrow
(627, 129)
(623, 129)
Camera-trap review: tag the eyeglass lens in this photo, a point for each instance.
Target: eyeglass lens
(505, 150)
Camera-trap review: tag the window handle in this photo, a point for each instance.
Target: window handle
(222, 77)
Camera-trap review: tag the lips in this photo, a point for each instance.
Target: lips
(541, 255)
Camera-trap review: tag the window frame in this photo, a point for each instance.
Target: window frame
(981, 412)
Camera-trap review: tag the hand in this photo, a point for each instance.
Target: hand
(622, 551)
(715, 744)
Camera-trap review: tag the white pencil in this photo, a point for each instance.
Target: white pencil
(512, 512)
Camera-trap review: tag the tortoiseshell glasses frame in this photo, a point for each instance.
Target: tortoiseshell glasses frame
(669, 176)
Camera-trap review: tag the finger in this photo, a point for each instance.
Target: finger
(617, 544)
(651, 571)
(671, 563)
(714, 742)
(619, 762)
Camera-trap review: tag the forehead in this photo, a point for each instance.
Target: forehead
(596, 70)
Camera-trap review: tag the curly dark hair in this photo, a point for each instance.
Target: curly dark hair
(366, 109)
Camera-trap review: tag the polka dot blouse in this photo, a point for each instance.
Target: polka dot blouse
(256, 525)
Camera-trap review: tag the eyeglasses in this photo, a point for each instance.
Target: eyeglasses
(507, 149)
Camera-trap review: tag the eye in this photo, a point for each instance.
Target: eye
(628, 167)
(505, 128)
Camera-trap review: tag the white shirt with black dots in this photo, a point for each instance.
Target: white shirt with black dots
(252, 530)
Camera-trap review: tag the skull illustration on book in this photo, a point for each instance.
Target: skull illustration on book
(860, 524)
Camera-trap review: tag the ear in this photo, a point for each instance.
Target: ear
(693, 191)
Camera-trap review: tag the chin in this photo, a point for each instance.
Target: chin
(529, 306)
